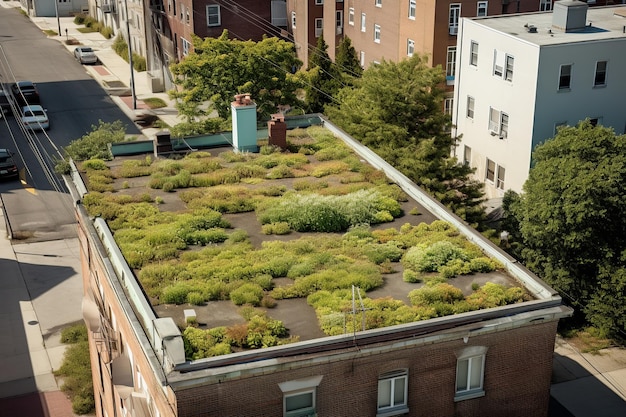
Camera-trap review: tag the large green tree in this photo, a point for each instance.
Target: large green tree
(572, 220)
(221, 67)
(347, 60)
(323, 79)
(396, 109)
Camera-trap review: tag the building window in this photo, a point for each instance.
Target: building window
(470, 107)
(379, 3)
(339, 21)
(451, 63)
(319, 2)
(410, 47)
(467, 155)
(377, 33)
(600, 77)
(392, 392)
(508, 64)
(186, 16)
(293, 20)
(481, 9)
(447, 105)
(186, 44)
(453, 21)
(545, 5)
(565, 77)
(362, 59)
(351, 16)
(319, 27)
(362, 22)
(474, 53)
(466, 378)
(213, 17)
(500, 178)
(498, 63)
(504, 125)
(412, 9)
(299, 396)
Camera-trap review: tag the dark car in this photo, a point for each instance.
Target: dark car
(5, 104)
(25, 93)
(7, 164)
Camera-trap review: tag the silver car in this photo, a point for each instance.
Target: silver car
(85, 55)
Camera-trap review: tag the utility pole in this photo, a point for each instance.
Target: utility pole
(130, 58)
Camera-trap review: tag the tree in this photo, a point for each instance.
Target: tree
(221, 67)
(322, 78)
(396, 109)
(347, 60)
(572, 218)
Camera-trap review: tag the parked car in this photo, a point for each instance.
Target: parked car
(85, 55)
(5, 104)
(7, 164)
(35, 117)
(25, 92)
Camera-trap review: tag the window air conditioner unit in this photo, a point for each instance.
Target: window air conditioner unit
(106, 8)
(454, 30)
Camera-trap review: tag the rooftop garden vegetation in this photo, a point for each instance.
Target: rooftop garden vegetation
(327, 211)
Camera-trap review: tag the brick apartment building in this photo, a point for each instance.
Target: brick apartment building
(492, 362)
(395, 29)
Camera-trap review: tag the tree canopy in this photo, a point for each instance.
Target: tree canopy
(572, 221)
(221, 67)
(396, 109)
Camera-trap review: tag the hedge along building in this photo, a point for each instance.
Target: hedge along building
(495, 361)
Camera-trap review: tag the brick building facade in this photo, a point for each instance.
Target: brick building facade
(494, 362)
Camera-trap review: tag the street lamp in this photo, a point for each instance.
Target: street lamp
(130, 57)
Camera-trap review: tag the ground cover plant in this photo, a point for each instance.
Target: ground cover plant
(318, 227)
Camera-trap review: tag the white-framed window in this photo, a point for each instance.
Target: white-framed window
(392, 392)
(363, 27)
(498, 123)
(599, 80)
(185, 46)
(339, 21)
(213, 15)
(470, 107)
(377, 33)
(500, 177)
(448, 102)
(450, 64)
(186, 16)
(351, 16)
(545, 5)
(508, 67)
(299, 396)
(498, 63)
(481, 8)
(467, 155)
(474, 53)
(565, 77)
(362, 59)
(410, 47)
(378, 3)
(453, 20)
(293, 20)
(466, 378)
(412, 9)
(319, 27)
(319, 2)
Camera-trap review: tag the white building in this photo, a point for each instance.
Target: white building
(519, 77)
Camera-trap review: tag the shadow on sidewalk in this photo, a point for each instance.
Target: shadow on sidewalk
(576, 392)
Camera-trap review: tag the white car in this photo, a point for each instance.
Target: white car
(85, 55)
(35, 117)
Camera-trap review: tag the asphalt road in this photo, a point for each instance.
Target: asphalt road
(38, 208)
